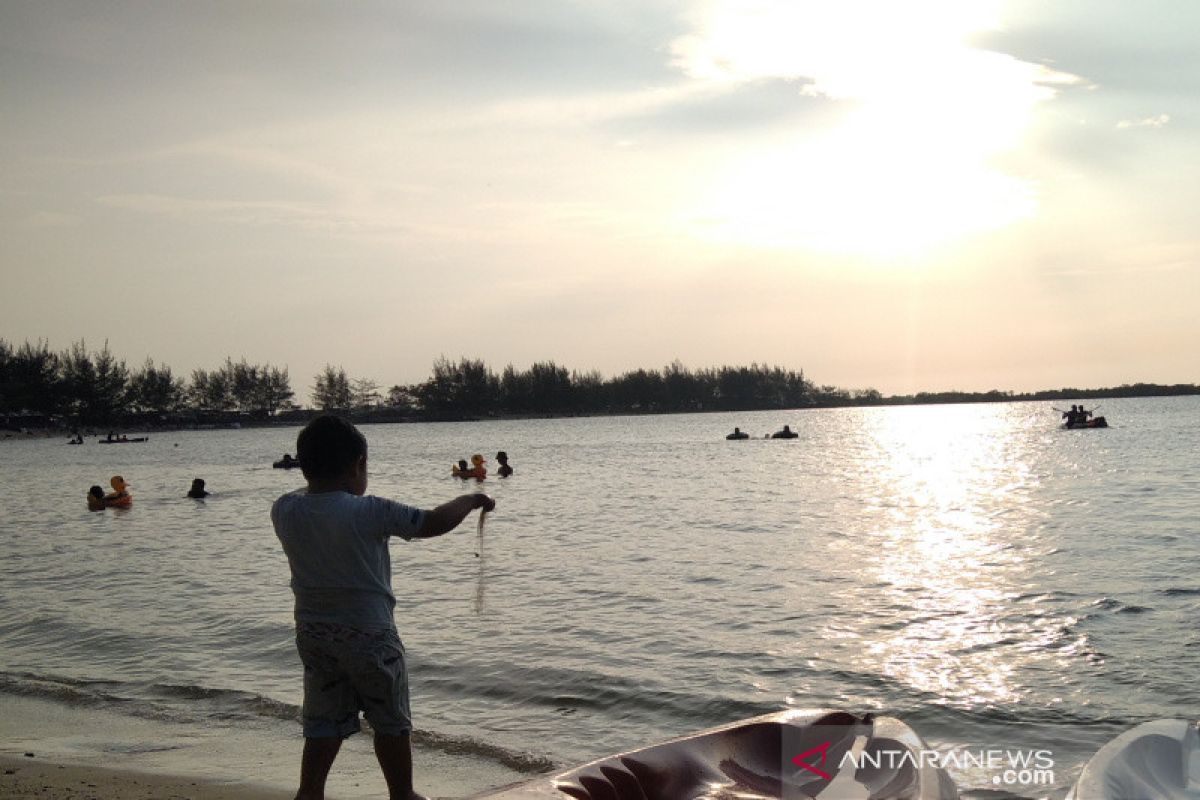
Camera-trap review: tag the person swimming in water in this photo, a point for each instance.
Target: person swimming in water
(786, 433)
(502, 459)
(119, 497)
(95, 499)
(197, 492)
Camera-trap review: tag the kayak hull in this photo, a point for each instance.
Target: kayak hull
(1098, 422)
(790, 754)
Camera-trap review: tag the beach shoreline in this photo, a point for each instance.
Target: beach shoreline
(52, 749)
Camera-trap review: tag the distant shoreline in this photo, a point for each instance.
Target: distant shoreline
(11, 428)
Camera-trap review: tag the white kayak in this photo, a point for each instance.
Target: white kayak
(1157, 760)
(827, 755)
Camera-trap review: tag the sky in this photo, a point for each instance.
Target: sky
(929, 195)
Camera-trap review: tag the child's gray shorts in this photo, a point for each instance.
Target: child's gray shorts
(347, 670)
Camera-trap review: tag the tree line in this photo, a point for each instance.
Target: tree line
(470, 389)
(97, 388)
(94, 387)
(85, 387)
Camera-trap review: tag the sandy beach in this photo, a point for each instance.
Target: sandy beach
(33, 778)
(51, 749)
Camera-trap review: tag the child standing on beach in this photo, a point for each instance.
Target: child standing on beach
(336, 540)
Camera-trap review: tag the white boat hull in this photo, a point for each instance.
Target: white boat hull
(756, 759)
(1157, 760)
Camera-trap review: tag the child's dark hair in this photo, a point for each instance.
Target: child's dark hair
(328, 447)
(96, 491)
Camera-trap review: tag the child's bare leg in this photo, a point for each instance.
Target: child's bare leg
(319, 754)
(395, 759)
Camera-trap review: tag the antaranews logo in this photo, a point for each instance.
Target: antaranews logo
(821, 750)
(1009, 767)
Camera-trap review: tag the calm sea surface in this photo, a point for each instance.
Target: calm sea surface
(974, 570)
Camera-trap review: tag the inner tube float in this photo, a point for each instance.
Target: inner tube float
(786, 433)
(738, 433)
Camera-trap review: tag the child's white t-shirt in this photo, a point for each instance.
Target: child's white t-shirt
(337, 546)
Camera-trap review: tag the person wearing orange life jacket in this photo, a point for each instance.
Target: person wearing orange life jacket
(477, 471)
(119, 497)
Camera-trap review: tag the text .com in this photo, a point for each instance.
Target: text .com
(1008, 767)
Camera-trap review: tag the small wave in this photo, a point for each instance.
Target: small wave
(1134, 609)
(557, 688)
(65, 690)
(526, 763)
(1175, 591)
(189, 704)
(164, 702)
(1117, 607)
(922, 711)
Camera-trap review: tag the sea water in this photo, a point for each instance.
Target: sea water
(993, 580)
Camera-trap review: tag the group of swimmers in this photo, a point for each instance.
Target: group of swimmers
(786, 433)
(477, 470)
(120, 497)
(1078, 415)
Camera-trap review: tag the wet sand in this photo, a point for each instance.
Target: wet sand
(83, 753)
(37, 779)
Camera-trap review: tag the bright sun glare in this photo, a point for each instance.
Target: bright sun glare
(900, 156)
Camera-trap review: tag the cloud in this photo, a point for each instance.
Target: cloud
(1148, 122)
(727, 108)
(1145, 51)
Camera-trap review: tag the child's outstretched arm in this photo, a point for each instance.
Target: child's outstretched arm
(447, 516)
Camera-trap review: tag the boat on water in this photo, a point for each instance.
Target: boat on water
(125, 440)
(1159, 759)
(1095, 422)
(789, 754)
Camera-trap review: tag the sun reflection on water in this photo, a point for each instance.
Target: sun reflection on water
(948, 488)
